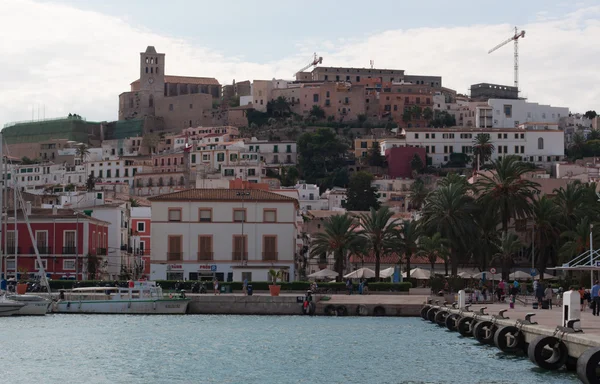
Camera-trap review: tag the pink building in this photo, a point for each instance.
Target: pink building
(399, 160)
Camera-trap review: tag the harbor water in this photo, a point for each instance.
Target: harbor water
(251, 349)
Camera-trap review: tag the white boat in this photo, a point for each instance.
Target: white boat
(8, 307)
(144, 298)
(33, 305)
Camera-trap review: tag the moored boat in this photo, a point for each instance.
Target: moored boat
(33, 305)
(141, 297)
(9, 308)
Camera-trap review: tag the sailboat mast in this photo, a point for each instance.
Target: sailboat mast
(2, 203)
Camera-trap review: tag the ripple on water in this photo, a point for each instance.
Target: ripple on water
(253, 349)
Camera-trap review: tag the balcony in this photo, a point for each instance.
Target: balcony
(174, 256)
(101, 251)
(69, 250)
(270, 256)
(43, 250)
(12, 250)
(239, 256)
(205, 256)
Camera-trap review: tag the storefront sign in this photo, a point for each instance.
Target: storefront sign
(207, 267)
(172, 267)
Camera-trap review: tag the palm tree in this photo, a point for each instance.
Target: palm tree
(506, 192)
(417, 194)
(432, 247)
(338, 237)
(577, 240)
(508, 245)
(407, 239)
(449, 210)
(484, 245)
(546, 215)
(378, 233)
(570, 201)
(482, 149)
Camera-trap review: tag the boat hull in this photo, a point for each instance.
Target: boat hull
(7, 309)
(132, 307)
(34, 305)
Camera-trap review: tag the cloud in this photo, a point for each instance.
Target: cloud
(66, 60)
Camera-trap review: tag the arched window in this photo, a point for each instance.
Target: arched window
(160, 182)
(146, 69)
(151, 101)
(181, 180)
(151, 69)
(146, 60)
(151, 60)
(541, 143)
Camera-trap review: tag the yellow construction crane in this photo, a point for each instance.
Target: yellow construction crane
(514, 38)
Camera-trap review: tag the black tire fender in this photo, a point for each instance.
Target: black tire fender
(440, 318)
(587, 364)
(341, 310)
(379, 311)
(465, 326)
(431, 314)
(451, 322)
(362, 310)
(424, 311)
(509, 339)
(330, 310)
(484, 332)
(548, 352)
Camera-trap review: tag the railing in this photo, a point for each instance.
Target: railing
(69, 250)
(238, 256)
(174, 256)
(13, 250)
(41, 250)
(205, 255)
(270, 256)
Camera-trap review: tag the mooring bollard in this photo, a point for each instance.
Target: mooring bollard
(571, 307)
(462, 299)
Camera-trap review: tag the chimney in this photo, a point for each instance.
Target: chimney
(54, 210)
(28, 208)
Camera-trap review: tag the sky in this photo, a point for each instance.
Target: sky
(76, 56)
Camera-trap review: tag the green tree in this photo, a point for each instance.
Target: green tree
(449, 210)
(417, 194)
(407, 115)
(577, 240)
(486, 238)
(442, 119)
(339, 238)
(288, 176)
(407, 241)
(427, 113)
(378, 233)
(133, 203)
(546, 215)
(360, 195)
(482, 149)
(317, 112)
(432, 247)
(26, 160)
(590, 115)
(506, 192)
(416, 163)
(416, 112)
(509, 244)
(319, 154)
(375, 158)
(572, 203)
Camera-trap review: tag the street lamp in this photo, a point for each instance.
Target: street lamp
(243, 194)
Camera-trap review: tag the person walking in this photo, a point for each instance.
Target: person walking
(596, 298)
(349, 286)
(548, 293)
(582, 298)
(216, 286)
(245, 286)
(539, 293)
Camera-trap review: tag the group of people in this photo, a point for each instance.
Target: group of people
(590, 298)
(363, 286)
(543, 293)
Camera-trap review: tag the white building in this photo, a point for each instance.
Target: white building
(509, 113)
(393, 193)
(308, 196)
(230, 234)
(334, 198)
(537, 145)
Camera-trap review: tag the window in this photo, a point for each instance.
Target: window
(141, 226)
(220, 157)
(248, 275)
(69, 265)
(69, 243)
(193, 158)
(174, 214)
(44, 264)
(240, 247)
(522, 149)
(416, 135)
(516, 149)
(269, 248)
(239, 215)
(508, 110)
(499, 149)
(205, 247)
(540, 143)
(174, 251)
(499, 135)
(251, 172)
(363, 144)
(170, 107)
(316, 98)
(205, 215)
(228, 172)
(41, 240)
(270, 215)
(275, 149)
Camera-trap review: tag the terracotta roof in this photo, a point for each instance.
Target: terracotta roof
(61, 213)
(392, 259)
(224, 195)
(187, 80)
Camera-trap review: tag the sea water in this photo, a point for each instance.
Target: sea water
(251, 349)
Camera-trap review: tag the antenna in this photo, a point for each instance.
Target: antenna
(372, 62)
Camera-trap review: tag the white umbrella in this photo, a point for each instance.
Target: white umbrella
(363, 273)
(519, 275)
(419, 274)
(465, 275)
(389, 272)
(323, 273)
(547, 276)
(488, 276)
